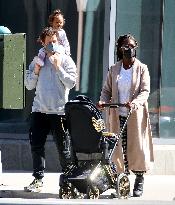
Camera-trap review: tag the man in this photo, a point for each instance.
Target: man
(52, 74)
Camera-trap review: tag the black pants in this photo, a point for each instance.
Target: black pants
(41, 125)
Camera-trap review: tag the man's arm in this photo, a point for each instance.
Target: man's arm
(66, 70)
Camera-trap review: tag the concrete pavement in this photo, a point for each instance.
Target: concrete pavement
(82, 202)
(158, 189)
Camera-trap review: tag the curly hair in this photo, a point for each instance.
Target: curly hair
(55, 14)
(119, 43)
(48, 31)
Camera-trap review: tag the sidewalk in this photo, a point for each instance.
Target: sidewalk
(156, 187)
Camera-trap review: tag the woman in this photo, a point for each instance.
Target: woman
(128, 82)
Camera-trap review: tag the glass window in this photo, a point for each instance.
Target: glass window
(90, 48)
(167, 91)
(143, 20)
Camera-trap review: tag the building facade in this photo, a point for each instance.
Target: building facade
(92, 27)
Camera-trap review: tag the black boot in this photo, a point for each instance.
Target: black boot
(138, 186)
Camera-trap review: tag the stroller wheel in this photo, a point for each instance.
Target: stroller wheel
(67, 191)
(123, 186)
(93, 193)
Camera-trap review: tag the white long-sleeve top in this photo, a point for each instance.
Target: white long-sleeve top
(124, 87)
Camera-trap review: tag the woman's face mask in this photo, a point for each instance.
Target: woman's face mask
(129, 53)
(129, 48)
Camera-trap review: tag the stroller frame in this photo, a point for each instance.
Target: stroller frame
(91, 170)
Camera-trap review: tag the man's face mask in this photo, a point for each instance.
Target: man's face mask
(53, 48)
(128, 52)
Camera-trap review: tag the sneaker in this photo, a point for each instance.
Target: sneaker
(35, 186)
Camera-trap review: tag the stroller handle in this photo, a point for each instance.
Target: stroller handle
(117, 105)
(113, 105)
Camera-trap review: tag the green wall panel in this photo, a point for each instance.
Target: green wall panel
(12, 67)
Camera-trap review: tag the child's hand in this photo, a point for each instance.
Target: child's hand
(37, 69)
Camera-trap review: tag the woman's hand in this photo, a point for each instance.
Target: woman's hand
(131, 105)
(99, 105)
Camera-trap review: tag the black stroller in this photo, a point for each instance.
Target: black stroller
(90, 149)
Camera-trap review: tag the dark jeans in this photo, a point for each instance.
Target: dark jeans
(41, 125)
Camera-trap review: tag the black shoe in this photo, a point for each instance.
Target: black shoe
(114, 195)
(138, 186)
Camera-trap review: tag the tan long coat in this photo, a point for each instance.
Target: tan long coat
(139, 139)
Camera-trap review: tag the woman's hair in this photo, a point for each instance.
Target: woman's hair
(48, 31)
(120, 42)
(55, 13)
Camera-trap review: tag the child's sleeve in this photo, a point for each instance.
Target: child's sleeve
(64, 41)
(31, 78)
(41, 57)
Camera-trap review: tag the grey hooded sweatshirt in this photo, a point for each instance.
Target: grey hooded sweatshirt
(52, 86)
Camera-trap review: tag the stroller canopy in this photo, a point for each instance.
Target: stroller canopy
(80, 113)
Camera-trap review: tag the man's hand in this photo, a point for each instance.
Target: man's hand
(56, 60)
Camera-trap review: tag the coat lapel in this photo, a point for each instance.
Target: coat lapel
(134, 78)
(115, 80)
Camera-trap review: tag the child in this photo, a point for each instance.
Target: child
(56, 21)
